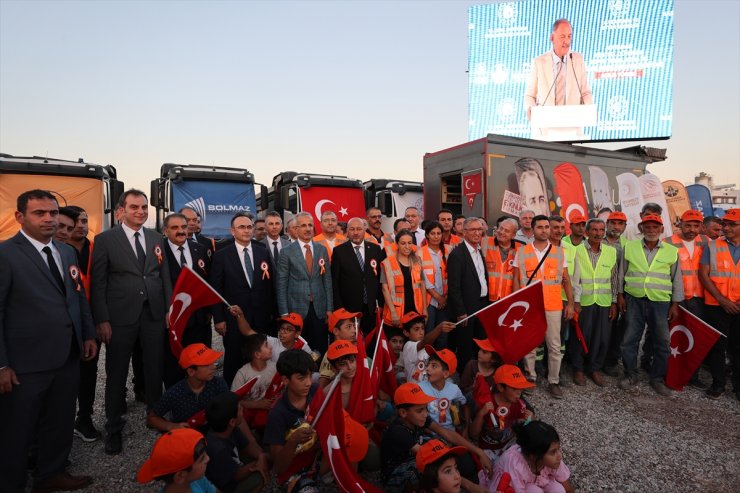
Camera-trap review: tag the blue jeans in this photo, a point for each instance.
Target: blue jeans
(654, 314)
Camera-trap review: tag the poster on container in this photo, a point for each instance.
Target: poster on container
(215, 202)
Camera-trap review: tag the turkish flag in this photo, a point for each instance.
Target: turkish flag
(257, 418)
(344, 201)
(362, 395)
(382, 375)
(570, 187)
(690, 341)
(191, 293)
(516, 323)
(472, 187)
(199, 419)
(330, 428)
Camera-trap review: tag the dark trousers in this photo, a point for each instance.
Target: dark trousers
(728, 325)
(616, 335)
(461, 339)
(117, 355)
(137, 365)
(367, 322)
(233, 356)
(88, 382)
(315, 331)
(42, 406)
(594, 323)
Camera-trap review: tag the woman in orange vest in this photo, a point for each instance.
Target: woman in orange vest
(433, 256)
(403, 286)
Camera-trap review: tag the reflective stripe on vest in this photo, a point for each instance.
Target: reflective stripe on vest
(393, 275)
(385, 240)
(550, 273)
(652, 281)
(723, 272)
(427, 265)
(570, 256)
(596, 283)
(690, 265)
(500, 272)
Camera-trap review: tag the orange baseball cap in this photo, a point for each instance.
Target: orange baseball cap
(485, 345)
(577, 218)
(445, 355)
(651, 218)
(356, 439)
(341, 314)
(198, 355)
(410, 317)
(692, 215)
(410, 393)
(293, 319)
(340, 348)
(434, 450)
(617, 216)
(172, 452)
(512, 376)
(732, 215)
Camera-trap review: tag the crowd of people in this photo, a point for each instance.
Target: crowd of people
(299, 307)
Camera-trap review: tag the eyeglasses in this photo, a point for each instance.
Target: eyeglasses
(479, 230)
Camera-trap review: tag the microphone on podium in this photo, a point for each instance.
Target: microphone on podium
(562, 61)
(576, 78)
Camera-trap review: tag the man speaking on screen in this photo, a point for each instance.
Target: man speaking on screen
(559, 76)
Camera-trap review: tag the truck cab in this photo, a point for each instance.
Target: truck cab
(93, 187)
(392, 197)
(293, 192)
(216, 193)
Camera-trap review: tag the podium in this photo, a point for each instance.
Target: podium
(562, 123)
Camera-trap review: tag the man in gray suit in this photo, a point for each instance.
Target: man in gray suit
(304, 283)
(45, 329)
(130, 293)
(274, 241)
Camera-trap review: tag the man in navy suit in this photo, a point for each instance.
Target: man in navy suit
(45, 329)
(180, 252)
(243, 274)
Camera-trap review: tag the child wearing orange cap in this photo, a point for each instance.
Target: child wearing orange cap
(487, 362)
(192, 394)
(179, 459)
(414, 355)
(289, 328)
(437, 464)
(343, 325)
(448, 398)
(404, 436)
(500, 410)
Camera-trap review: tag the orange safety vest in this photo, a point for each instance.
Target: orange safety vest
(338, 240)
(550, 273)
(85, 278)
(689, 265)
(500, 271)
(723, 272)
(394, 279)
(454, 240)
(385, 240)
(427, 265)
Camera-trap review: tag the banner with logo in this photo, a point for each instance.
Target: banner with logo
(677, 200)
(472, 190)
(409, 199)
(346, 203)
(215, 202)
(701, 199)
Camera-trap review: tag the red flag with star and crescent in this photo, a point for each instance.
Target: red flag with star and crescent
(516, 324)
(362, 397)
(382, 375)
(345, 202)
(191, 293)
(691, 339)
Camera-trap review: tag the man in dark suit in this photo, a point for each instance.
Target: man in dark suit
(131, 289)
(304, 283)
(243, 274)
(194, 228)
(180, 252)
(274, 241)
(355, 273)
(45, 329)
(467, 289)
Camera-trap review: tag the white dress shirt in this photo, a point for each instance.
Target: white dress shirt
(240, 250)
(54, 252)
(186, 250)
(303, 248)
(480, 268)
(362, 251)
(132, 241)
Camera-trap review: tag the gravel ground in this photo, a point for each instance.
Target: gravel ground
(612, 440)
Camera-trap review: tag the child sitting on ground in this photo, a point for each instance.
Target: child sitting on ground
(258, 355)
(487, 362)
(343, 325)
(396, 341)
(500, 410)
(448, 398)
(192, 394)
(401, 442)
(237, 462)
(535, 464)
(414, 355)
(287, 428)
(178, 459)
(289, 332)
(437, 464)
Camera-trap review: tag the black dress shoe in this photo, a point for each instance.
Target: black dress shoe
(113, 444)
(62, 482)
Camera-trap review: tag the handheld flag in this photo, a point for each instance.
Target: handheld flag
(198, 419)
(691, 339)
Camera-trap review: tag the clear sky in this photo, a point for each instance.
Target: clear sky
(362, 89)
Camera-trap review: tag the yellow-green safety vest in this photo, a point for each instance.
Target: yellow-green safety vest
(596, 282)
(652, 281)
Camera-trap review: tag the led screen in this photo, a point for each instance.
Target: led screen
(622, 52)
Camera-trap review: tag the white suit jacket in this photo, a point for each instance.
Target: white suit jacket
(542, 77)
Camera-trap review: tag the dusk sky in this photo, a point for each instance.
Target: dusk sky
(362, 89)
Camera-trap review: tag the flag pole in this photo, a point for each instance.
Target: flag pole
(493, 304)
(377, 341)
(332, 387)
(206, 283)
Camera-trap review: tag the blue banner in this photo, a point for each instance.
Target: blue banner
(215, 202)
(701, 199)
